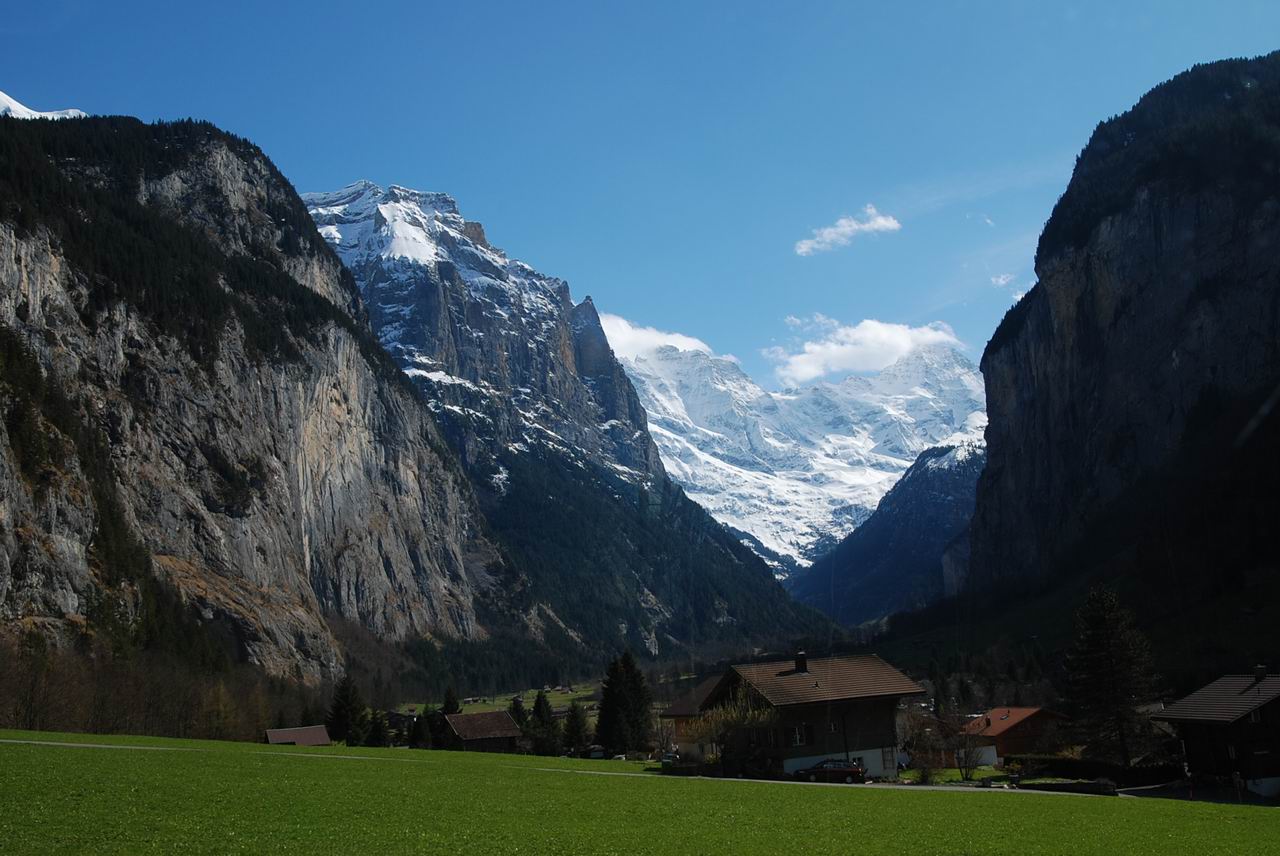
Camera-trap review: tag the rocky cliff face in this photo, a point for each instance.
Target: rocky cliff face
(1131, 393)
(275, 479)
(893, 561)
(203, 436)
(610, 552)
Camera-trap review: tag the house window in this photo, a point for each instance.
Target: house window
(1255, 716)
(802, 735)
(833, 727)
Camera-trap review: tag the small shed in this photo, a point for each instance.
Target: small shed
(494, 731)
(1231, 727)
(306, 735)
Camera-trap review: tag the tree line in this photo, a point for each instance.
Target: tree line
(90, 689)
(624, 718)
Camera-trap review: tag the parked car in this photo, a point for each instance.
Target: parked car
(832, 770)
(670, 759)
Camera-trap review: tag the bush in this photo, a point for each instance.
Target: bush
(1092, 769)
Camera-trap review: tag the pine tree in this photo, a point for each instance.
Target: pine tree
(347, 716)
(379, 733)
(542, 713)
(543, 728)
(451, 704)
(575, 727)
(517, 711)
(613, 730)
(638, 704)
(1110, 675)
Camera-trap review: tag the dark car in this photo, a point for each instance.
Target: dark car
(832, 770)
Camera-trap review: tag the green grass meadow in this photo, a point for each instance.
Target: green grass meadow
(559, 700)
(206, 797)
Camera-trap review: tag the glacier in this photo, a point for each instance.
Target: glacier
(794, 471)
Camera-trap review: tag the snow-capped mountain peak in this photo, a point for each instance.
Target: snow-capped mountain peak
(364, 221)
(505, 357)
(11, 107)
(794, 471)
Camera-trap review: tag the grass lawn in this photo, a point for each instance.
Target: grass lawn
(948, 775)
(205, 797)
(559, 700)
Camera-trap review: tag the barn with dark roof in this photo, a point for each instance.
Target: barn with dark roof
(494, 731)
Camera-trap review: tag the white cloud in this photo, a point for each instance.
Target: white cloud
(869, 345)
(840, 233)
(1002, 280)
(1018, 295)
(631, 340)
(792, 321)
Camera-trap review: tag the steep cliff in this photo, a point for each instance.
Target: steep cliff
(1132, 393)
(893, 561)
(214, 413)
(204, 437)
(609, 551)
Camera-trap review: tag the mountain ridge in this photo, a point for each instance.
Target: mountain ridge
(528, 389)
(797, 469)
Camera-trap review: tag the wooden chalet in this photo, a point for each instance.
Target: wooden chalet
(1016, 731)
(843, 707)
(1231, 728)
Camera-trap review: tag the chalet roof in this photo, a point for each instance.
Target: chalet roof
(826, 679)
(1225, 700)
(305, 735)
(998, 720)
(479, 726)
(690, 704)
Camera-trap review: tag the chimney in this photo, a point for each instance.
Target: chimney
(802, 662)
(1260, 672)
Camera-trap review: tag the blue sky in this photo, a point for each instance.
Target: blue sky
(667, 158)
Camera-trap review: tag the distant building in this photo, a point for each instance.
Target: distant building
(1016, 731)
(1232, 728)
(482, 732)
(306, 735)
(399, 722)
(842, 707)
(683, 714)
